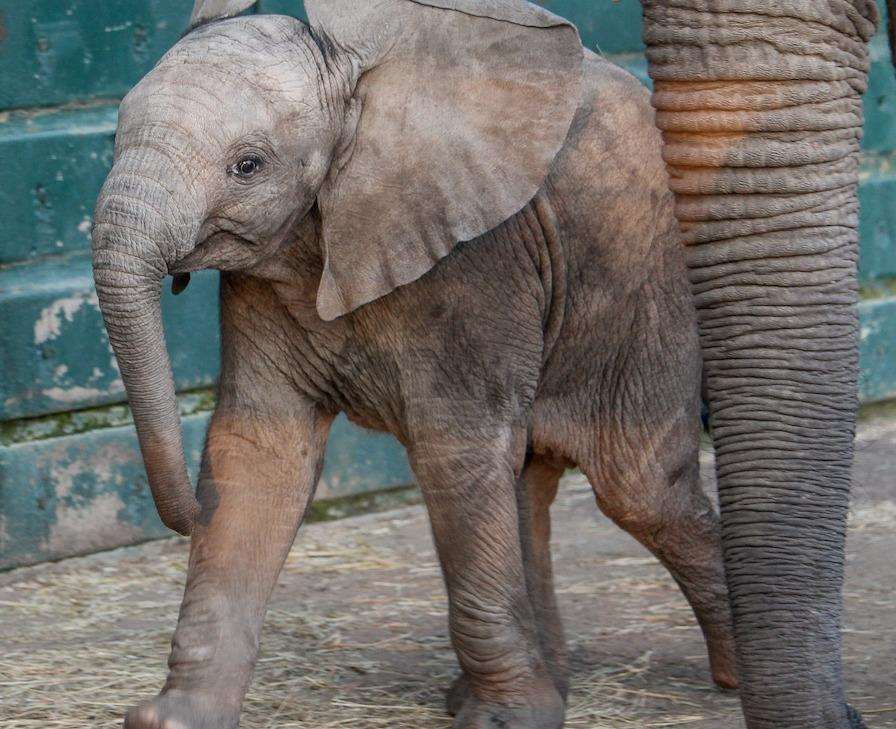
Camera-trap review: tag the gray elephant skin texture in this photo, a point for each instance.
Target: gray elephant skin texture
(449, 221)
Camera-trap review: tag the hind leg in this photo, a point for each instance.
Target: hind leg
(654, 493)
(536, 491)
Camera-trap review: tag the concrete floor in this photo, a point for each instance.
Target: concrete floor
(356, 633)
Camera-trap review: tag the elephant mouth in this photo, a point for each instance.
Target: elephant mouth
(228, 250)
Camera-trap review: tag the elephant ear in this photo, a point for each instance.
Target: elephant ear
(205, 11)
(463, 106)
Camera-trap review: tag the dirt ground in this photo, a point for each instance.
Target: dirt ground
(356, 634)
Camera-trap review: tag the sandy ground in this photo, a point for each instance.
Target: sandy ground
(356, 633)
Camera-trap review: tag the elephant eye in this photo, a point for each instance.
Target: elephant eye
(246, 167)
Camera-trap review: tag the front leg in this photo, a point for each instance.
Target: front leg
(258, 476)
(261, 464)
(469, 484)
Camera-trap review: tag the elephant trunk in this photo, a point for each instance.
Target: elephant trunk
(759, 104)
(128, 267)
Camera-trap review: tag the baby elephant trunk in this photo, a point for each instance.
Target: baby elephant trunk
(128, 266)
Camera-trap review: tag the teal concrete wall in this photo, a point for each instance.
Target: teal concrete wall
(70, 477)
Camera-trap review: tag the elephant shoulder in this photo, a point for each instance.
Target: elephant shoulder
(613, 136)
(611, 175)
(618, 99)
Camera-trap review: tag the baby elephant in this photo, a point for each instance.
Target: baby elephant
(447, 220)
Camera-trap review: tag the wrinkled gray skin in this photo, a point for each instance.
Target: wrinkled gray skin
(562, 333)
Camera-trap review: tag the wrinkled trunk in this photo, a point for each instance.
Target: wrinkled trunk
(759, 103)
(128, 269)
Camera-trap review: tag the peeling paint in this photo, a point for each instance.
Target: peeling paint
(78, 394)
(87, 491)
(98, 469)
(78, 530)
(49, 325)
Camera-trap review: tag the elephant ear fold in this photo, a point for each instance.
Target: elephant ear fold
(205, 11)
(464, 105)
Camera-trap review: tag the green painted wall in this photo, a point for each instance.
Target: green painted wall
(70, 478)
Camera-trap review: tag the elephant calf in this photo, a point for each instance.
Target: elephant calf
(330, 172)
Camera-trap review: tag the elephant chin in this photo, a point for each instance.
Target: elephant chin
(760, 108)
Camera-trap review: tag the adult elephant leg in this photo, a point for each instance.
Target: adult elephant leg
(759, 103)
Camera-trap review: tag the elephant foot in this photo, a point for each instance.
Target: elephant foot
(544, 708)
(479, 714)
(181, 711)
(460, 691)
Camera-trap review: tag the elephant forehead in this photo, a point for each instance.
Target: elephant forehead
(217, 98)
(195, 102)
(262, 60)
(258, 44)
(249, 35)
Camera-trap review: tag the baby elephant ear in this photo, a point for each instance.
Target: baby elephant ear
(206, 10)
(464, 105)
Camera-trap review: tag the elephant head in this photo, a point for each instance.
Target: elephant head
(382, 115)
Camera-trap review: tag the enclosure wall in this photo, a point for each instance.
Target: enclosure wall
(70, 476)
